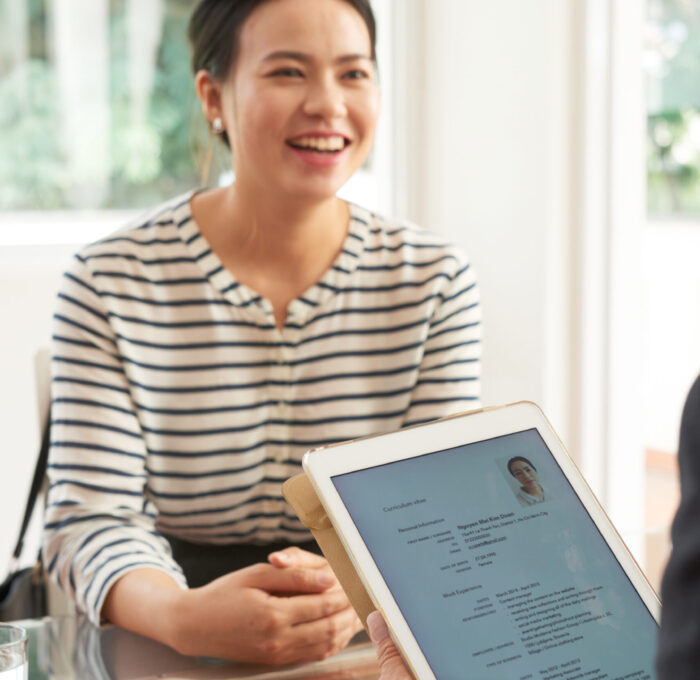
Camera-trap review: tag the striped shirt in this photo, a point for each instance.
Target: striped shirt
(179, 407)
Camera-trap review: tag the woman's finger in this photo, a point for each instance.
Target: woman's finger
(290, 580)
(310, 641)
(301, 609)
(335, 629)
(296, 557)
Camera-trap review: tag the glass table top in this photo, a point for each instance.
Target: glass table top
(71, 648)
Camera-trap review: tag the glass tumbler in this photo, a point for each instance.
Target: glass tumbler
(13, 653)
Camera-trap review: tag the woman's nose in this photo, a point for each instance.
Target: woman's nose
(325, 99)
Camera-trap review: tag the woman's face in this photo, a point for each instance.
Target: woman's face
(301, 103)
(524, 473)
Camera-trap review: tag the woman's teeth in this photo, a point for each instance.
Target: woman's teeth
(327, 144)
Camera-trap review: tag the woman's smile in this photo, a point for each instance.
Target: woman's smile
(301, 105)
(320, 149)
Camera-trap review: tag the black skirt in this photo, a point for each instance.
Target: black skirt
(202, 563)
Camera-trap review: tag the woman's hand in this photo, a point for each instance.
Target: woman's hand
(289, 611)
(390, 661)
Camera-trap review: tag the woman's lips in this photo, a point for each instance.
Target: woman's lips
(322, 142)
(319, 151)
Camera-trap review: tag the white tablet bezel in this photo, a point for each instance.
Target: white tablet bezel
(322, 464)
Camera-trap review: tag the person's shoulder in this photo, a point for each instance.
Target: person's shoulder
(395, 231)
(689, 442)
(400, 239)
(151, 232)
(523, 499)
(692, 403)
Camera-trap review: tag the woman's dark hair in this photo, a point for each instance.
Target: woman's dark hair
(515, 459)
(215, 27)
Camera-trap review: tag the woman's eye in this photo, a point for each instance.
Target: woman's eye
(289, 72)
(356, 74)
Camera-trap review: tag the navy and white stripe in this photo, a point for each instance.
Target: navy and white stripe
(179, 407)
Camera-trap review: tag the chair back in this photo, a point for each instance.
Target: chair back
(59, 604)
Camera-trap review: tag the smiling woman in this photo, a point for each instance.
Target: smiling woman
(302, 79)
(198, 353)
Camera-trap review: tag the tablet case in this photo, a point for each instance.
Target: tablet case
(300, 494)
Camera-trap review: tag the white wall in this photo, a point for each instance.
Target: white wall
(494, 91)
(671, 327)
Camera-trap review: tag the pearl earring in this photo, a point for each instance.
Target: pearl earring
(217, 125)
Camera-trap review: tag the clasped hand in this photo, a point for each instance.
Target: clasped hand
(291, 610)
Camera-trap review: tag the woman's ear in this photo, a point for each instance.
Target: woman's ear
(209, 92)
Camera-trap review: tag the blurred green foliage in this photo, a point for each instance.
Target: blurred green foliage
(673, 123)
(673, 165)
(151, 159)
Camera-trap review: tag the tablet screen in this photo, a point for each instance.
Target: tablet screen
(497, 567)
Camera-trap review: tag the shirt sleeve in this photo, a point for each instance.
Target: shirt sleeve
(449, 375)
(99, 522)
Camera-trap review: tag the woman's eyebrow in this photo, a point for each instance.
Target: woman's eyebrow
(287, 54)
(352, 57)
(301, 56)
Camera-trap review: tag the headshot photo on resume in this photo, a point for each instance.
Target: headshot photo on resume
(531, 490)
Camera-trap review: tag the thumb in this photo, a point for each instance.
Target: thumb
(390, 659)
(378, 629)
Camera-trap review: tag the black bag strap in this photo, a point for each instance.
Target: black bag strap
(37, 483)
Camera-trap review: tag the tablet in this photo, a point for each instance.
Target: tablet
(486, 551)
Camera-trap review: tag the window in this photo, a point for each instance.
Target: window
(672, 64)
(96, 100)
(98, 113)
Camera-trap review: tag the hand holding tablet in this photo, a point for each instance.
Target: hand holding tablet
(390, 661)
(480, 572)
